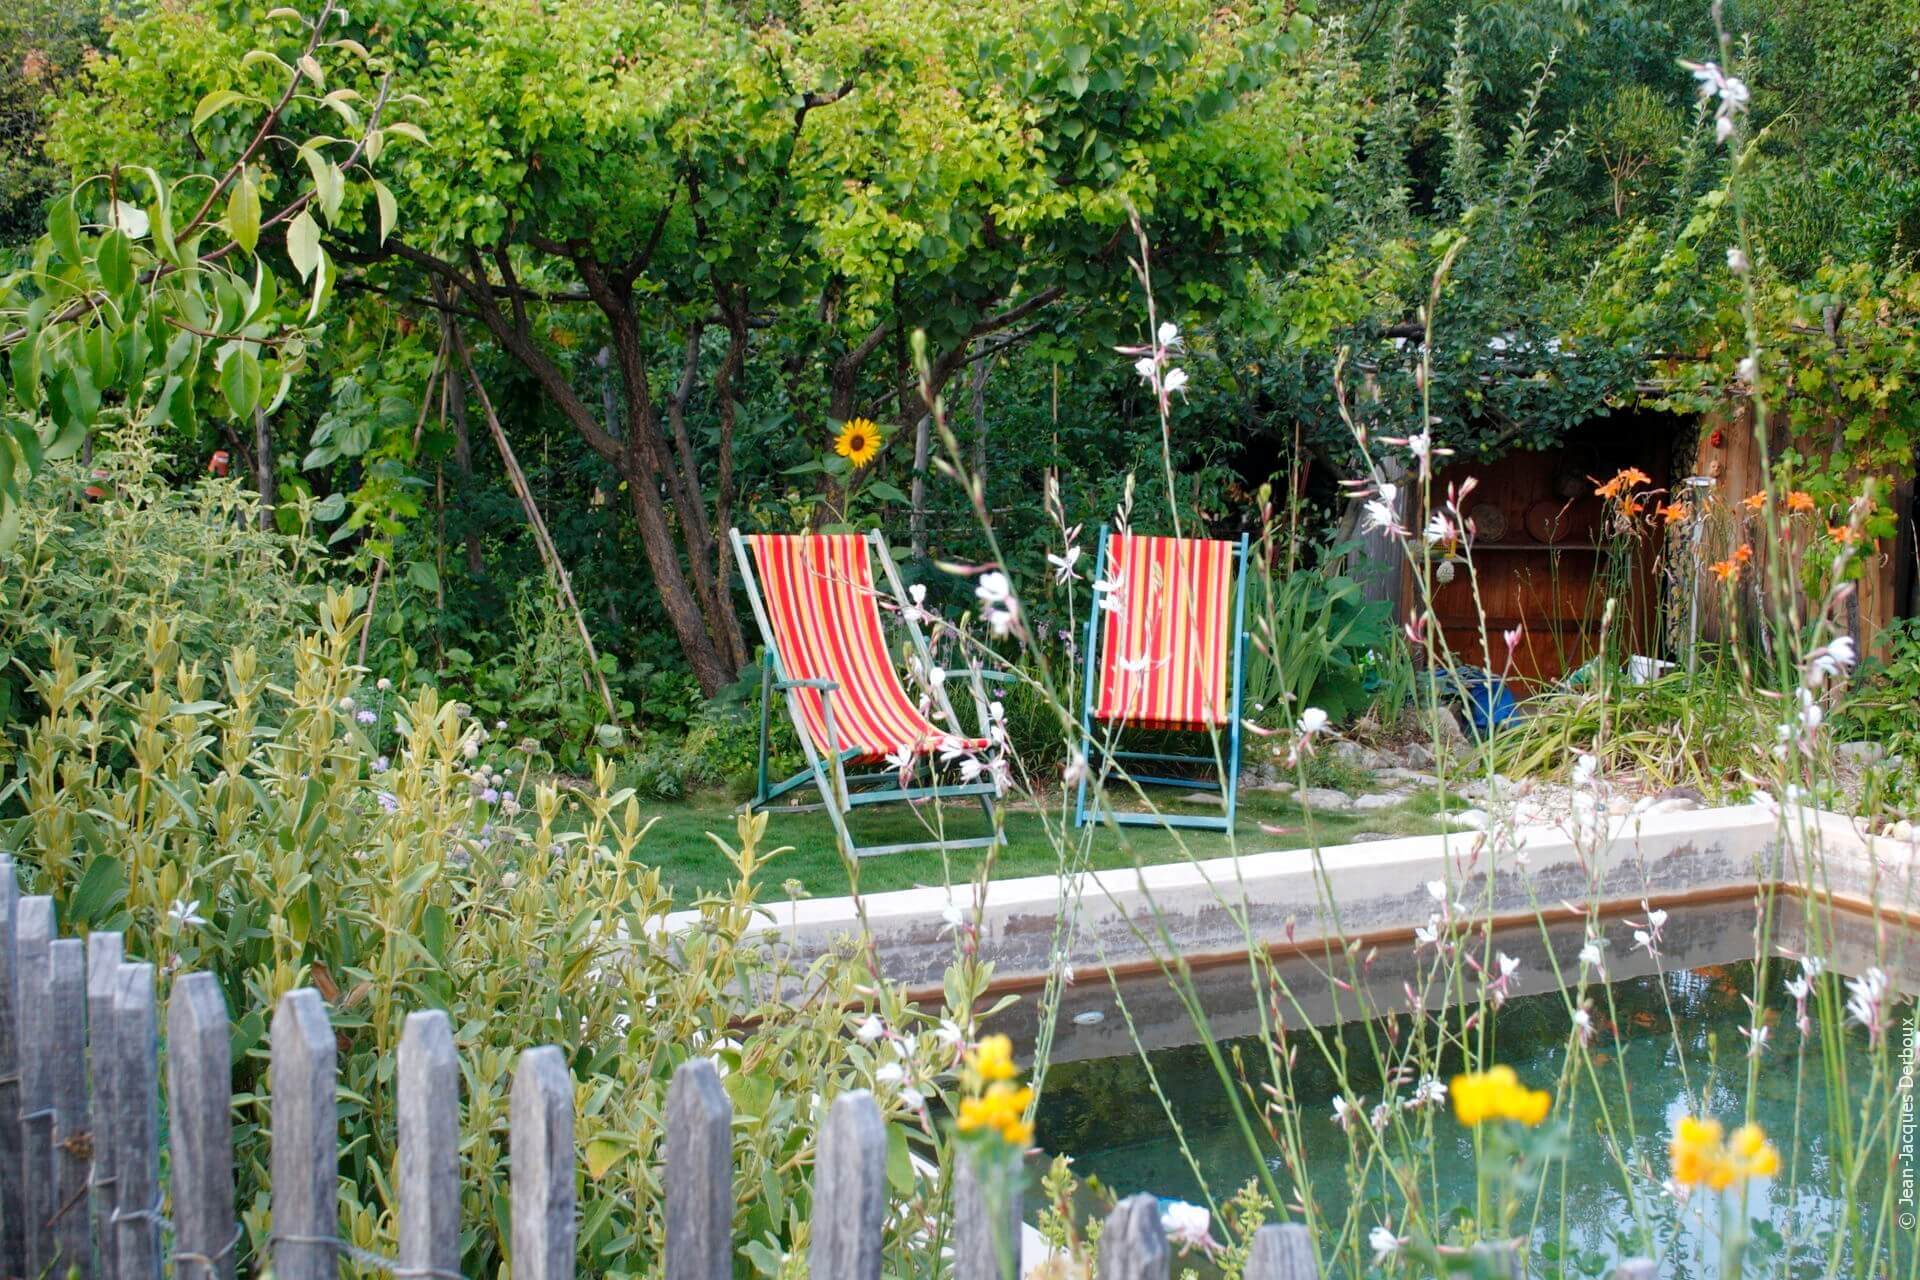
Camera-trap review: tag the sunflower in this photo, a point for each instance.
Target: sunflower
(858, 441)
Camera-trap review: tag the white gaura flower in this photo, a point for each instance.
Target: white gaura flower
(1383, 1243)
(1075, 771)
(1313, 720)
(954, 916)
(1439, 529)
(1737, 261)
(917, 603)
(914, 1099)
(949, 1033)
(1378, 513)
(891, 1073)
(1146, 367)
(1420, 444)
(184, 913)
(1168, 333)
(1866, 1001)
(1427, 935)
(1437, 890)
(993, 588)
(1756, 1039)
(1063, 571)
(1585, 769)
(871, 1029)
(900, 760)
(1830, 661)
(1187, 1225)
(1590, 954)
(1176, 380)
(1583, 1025)
(1344, 1112)
(1812, 966)
(1746, 370)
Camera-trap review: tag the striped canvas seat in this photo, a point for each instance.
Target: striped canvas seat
(1165, 650)
(825, 617)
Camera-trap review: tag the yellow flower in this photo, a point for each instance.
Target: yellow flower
(992, 1058)
(858, 441)
(1497, 1094)
(1701, 1158)
(1001, 1110)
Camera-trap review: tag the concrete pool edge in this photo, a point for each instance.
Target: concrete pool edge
(1205, 910)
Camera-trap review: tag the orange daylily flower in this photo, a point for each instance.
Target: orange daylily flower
(1799, 500)
(1623, 480)
(1844, 534)
(1754, 501)
(1671, 512)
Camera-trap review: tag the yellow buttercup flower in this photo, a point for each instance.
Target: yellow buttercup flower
(1497, 1094)
(1001, 1110)
(858, 441)
(1703, 1158)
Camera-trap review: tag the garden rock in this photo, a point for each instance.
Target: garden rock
(1326, 798)
(1861, 753)
(1378, 800)
(1471, 819)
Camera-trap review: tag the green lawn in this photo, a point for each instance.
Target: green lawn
(689, 862)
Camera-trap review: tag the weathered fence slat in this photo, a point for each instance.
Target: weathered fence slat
(13, 1238)
(850, 1190)
(986, 1224)
(136, 1109)
(1283, 1251)
(1636, 1269)
(306, 1136)
(199, 1098)
(699, 1175)
(71, 1150)
(541, 1154)
(105, 954)
(1133, 1246)
(36, 1081)
(428, 1086)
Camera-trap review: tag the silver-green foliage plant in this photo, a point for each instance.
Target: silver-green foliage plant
(307, 826)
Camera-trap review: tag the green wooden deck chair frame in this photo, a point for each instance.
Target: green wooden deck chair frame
(828, 769)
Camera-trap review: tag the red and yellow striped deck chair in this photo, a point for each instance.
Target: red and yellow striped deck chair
(1165, 649)
(826, 650)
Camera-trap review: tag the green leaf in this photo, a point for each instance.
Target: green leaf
(423, 575)
(389, 209)
(240, 382)
(67, 440)
(215, 101)
(243, 212)
(63, 224)
(116, 262)
(26, 372)
(331, 507)
(102, 888)
(303, 244)
(604, 1153)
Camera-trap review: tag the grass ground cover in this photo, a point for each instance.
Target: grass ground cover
(691, 864)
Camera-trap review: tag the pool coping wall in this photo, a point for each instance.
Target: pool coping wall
(1214, 909)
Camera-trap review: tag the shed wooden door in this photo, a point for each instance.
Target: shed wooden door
(1542, 559)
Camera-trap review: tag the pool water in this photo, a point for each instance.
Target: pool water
(1666, 1038)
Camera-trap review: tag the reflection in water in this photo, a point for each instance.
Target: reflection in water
(1666, 1034)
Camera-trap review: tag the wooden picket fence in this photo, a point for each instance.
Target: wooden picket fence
(80, 1191)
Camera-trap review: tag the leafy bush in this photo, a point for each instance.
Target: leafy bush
(1313, 636)
(397, 857)
(138, 575)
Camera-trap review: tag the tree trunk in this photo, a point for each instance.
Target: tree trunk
(456, 392)
(917, 520)
(263, 466)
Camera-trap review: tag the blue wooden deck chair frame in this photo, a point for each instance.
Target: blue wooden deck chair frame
(1226, 768)
(828, 768)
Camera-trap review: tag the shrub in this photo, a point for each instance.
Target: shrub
(386, 849)
(142, 575)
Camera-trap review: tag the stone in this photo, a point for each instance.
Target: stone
(1472, 819)
(1901, 830)
(1201, 797)
(1369, 837)
(1861, 753)
(1375, 801)
(1326, 798)
(1414, 776)
(1418, 755)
